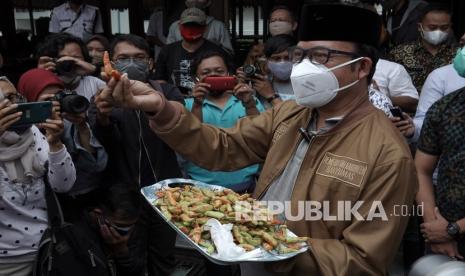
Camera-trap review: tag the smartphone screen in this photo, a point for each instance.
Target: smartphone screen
(33, 113)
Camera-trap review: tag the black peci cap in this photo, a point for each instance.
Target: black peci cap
(340, 22)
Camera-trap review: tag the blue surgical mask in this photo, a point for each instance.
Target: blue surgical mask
(459, 62)
(281, 70)
(135, 68)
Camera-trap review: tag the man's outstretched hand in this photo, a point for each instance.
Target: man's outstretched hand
(133, 94)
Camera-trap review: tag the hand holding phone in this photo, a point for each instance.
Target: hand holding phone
(397, 112)
(8, 115)
(33, 113)
(200, 91)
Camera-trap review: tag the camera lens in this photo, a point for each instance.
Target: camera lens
(74, 104)
(249, 70)
(65, 67)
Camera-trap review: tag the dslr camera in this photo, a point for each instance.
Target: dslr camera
(71, 102)
(65, 67)
(250, 70)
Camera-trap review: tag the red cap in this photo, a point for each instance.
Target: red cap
(34, 81)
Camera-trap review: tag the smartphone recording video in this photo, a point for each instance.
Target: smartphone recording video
(33, 113)
(223, 83)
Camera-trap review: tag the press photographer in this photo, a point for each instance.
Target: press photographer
(67, 56)
(270, 75)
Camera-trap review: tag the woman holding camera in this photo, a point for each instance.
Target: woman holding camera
(27, 157)
(87, 153)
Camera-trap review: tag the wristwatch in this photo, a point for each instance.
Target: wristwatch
(275, 96)
(453, 229)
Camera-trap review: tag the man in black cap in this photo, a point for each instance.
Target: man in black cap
(173, 63)
(338, 162)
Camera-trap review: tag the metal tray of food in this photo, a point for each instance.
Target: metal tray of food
(150, 194)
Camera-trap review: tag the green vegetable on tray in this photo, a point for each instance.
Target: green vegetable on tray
(190, 207)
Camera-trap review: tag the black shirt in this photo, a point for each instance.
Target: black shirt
(174, 63)
(130, 158)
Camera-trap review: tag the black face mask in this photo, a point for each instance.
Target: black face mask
(136, 70)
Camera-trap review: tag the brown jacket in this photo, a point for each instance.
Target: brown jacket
(363, 158)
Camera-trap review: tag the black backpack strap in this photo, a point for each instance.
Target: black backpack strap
(54, 211)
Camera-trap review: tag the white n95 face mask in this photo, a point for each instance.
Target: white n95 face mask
(315, 85)
(434, 37)
(280, 27)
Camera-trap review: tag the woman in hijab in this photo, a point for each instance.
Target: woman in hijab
(27, 156)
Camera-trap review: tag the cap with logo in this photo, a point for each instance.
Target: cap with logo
(193, 16)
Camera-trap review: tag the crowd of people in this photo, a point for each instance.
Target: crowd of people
(367, 111)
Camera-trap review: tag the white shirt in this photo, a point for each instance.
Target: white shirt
(23, 215)
(83, 23)
(216, 33)
(89, 86)
(393, 80)
(438, 84)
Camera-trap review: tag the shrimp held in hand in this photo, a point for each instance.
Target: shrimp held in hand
(109, 71)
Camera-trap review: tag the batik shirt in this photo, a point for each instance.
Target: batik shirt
(443, 135)
(418, 62)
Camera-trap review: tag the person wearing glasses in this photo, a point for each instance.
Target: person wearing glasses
(110, 225)
(136, 154)
(328, 148)
(25, 151)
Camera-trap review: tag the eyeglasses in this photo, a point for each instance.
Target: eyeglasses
(16, 98)
(122, 230)
(316, 55)
(13, 97)
(133, 59)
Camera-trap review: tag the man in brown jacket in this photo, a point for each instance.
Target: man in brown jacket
(331, 146)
